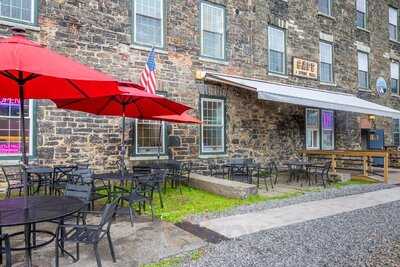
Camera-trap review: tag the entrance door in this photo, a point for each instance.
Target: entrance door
(376, 141)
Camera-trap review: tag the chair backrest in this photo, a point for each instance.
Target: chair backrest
(158, 175)
(83, 175)
(7, 249)
(141, 170)
(327, 167)
(237, 161)
(186, 168)
(62, 171)
(12, 173)
(81, 191)
(107, 215)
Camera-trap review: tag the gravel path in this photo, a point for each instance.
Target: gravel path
(347, 239)
(308, 196)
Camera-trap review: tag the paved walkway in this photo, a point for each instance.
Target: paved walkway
(244, 224)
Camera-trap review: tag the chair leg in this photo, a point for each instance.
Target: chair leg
(160, 196)
(57, 260)
(152, 211)
(77, 252)
(131, 214)
(111, 247)
(266, 185)
(96, 251)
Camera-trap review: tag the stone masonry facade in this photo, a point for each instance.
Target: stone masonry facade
(99, 33)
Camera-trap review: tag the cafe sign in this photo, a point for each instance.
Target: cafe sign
(304, 68)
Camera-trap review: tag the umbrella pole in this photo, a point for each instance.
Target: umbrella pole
(159, 141)
(123, 144)
(21, 84)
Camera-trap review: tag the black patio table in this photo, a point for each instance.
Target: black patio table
(296, 165)
(242, 164)
(28, 211)
(45, 175)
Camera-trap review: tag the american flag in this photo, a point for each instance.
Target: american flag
(148, 76)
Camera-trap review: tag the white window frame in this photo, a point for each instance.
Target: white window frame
(314, 146)
(150, 153)
(284, 67)
(323, 129)
(223, 49)
(330, 63)
(395, 25)
(223, 134)
(329, 7)
(32, 19)
(31, 132)
(395, 75)
(359, 69)
(364, 10)
(162, 26)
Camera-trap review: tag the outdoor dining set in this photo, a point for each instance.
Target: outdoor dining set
(247, 170)
(66, 195)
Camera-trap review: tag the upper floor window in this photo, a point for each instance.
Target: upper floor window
(363, 77)
(10, 138)
(394, 77)
(325, 7)
(212, 31)
(393, 23)
(213, 127)
(361, 6)
(276, 50)
(148, 21)
(326, 70)
(18, 10)
(396, 132)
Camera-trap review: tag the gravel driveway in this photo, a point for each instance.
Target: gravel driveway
(357, 238)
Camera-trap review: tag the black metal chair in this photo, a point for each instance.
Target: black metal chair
(264, 173)
(14, 179)
(321, 172)
(90, 234)
(141, 195)
(6, 249)
(182, 175)
(215, 170)
(61, 177)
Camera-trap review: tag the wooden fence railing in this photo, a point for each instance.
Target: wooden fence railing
(357, 160)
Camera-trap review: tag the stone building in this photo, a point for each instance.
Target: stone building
(333, 45)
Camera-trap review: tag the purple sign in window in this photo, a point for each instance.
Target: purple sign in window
(9, 102)
(12, 148)
(327, 120)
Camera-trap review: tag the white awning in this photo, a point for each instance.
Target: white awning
(306, 96)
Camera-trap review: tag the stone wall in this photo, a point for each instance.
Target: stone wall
(98, 33)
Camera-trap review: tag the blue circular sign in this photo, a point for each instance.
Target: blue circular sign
(381, 87)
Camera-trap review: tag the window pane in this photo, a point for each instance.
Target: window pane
(393, 16)
(363, 79)
(213, 18)
(149, 8)
(325, 52)
(148, 137)
(394, 70)
(392, 32)
(213, 44)
(312, 118)
(276, 39)
(213, 125)
(326, 72)
(363, 61)
(361, 6)
(327, 120)
(276, 61)
(360, 19)
(148, 30)
(20, 10)
(325, 6)
(394, 84)
(327, 139)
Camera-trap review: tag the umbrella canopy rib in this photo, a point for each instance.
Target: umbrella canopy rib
(76, 87)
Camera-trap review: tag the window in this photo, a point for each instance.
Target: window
(326, 72)
(148, 141)
(396, 132)
(148, 22)
(363, 70)
(312, 128)
(276, 50)
(361, 6)
(393, 23)
(394, 77)
(213, 127)
(18, 10)
(212, 31)
(327, 126)
(10, 139)
(325, 7)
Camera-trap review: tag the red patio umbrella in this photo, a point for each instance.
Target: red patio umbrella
(133, 102)
(30, 71)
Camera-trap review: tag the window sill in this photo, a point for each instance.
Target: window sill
(363, 29)
(326, 16)
(212, 60)
(146, 48)
(394, 41)
(328, 84)
(283, 76)
(212, 156)
(395, 96)
(364, 90)
(151, 157)
(20, 25)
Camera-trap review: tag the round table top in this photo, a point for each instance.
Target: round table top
(39, 209)
(114, 176)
